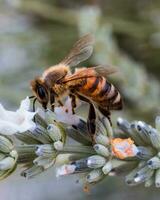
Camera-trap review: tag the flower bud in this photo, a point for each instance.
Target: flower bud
(7, 163)
(143, 174)
(123, 125)
(100, 128)
(108, 127)
(155, 138)
(45, 150)
(41, 134)
(54, 132)
(80, 165)
(2, 156)
(26, 153)
(5, 144)
(135, 135)
(96, 161)
(129, 179)
(82, 129)
(45, 162)
(157, 178)
(157, 123)
(145, 153)
(58, 145)
(14, 154)
(50, 116)
(107, 167)
(149, 182)
(143, 130)
(27, 137)
(32, 172)
(102, 150)
(39, 120)
(154, 163)
(102, 139)
(94, 176)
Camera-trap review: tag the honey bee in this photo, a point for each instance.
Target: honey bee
(87, 84)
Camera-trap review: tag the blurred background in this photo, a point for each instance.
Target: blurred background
(35, 34)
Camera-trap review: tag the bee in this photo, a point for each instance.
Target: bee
(87, 84)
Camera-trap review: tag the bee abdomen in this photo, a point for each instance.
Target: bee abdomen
(102, 92)
(89, 85)
(105, 89)
(110, 96)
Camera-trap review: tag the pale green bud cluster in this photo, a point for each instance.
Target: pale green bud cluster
(8, 157)
(95, 156)
(41, 145)
(147, 140)
(101, 163)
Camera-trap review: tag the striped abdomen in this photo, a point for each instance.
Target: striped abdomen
(103, 93)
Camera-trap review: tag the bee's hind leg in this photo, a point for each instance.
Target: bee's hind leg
(106, 113)
(91, 121)
(73, 102)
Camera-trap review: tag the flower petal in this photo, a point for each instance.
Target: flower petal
(7, 128)
(19, 121)
(25, 104)
(64, 114)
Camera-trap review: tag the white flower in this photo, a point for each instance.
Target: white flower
(18, 121)
(64, 114)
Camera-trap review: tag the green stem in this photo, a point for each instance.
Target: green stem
(49, 12)
(70, 17)
(78, 149)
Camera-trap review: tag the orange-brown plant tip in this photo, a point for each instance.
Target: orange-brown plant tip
(86, 189)
(123, 148)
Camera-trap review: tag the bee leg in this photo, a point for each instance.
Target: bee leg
(83, 98)
(91, 121)
(60, 102)
(91, 125)
(34, 109)
(52, 100)
(52, 107)
(106, 113)
(34, 102)
(73, 102)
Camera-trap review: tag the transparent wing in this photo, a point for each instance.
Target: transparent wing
(100, 70)
(104, 70)
(81, 51)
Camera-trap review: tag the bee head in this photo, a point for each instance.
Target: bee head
(40, 91)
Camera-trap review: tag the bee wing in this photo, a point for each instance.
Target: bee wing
(81, 51)
(104, 70)
(101, 70)
(79, 74)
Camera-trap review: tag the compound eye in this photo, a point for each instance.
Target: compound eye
(41, 92)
